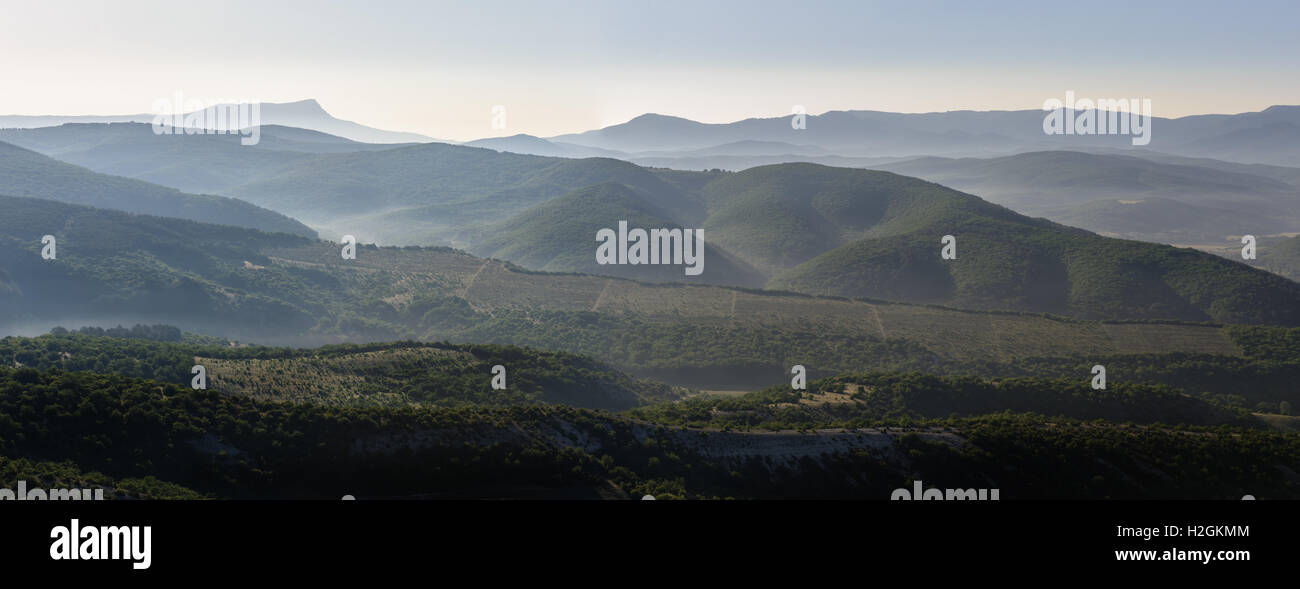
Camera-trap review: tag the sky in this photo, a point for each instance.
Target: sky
(439, 68)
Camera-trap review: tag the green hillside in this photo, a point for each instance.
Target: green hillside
(856, 400)
(559, 236)
(1008, 261)
(250, 286)
(803, 227)
(420, 419)
(390, 374)
(859, 233)
(27, 173)
(780, 216)
(1081, 275)
(157, 439)
(110, 263)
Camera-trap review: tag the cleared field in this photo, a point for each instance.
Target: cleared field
(724, 392)
(491, 286)
(1149, 339)
(498, 287)
(366, 378)
(667, 302)
(805, 313)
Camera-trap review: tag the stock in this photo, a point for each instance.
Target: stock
(408, 286)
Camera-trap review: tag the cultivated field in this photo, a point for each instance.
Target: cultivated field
(493, 286)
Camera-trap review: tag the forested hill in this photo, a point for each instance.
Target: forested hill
(794, 227)
(389, 374)
(860, 233)
(30, 174)
(247, 285)
(141, 438)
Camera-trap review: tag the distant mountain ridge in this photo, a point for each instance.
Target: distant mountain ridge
(1175, 200)
(796, 227)
(194, 163)
(1271, 136)
(305, 114)
(532, 145)
(1213, 198)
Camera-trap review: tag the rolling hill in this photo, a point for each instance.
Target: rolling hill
(559, 236)
(890, 228)
(777, 217)
(860, 233)
(1049, 270)
(440, 194)
(281, 289)
(110, 263)
(393, 374)
(27, 173)
(796, 227)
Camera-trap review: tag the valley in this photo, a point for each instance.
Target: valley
(631, 379)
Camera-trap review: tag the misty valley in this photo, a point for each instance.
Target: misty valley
(461, 321)
(323, 288)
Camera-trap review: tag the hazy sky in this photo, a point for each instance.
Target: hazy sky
(439, 67)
